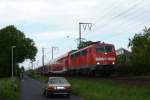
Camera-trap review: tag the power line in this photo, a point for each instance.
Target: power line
(43, 59)
(127, 16)
(121, 14)
(133, 17)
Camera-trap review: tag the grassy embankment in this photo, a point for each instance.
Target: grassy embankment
(7, 91)
(90, 89)
(107, 90)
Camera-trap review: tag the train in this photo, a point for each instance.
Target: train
(95, 59)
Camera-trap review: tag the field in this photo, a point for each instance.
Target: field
(7, 91)
(108, 89)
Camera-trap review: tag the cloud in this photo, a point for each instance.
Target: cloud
(13, 11)
(49, 21)
(55, 35)
(39, 10)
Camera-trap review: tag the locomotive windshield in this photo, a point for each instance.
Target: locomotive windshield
(104, 49)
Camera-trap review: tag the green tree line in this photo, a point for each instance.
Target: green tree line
(140, 47)
(138, 62)
(24, 49)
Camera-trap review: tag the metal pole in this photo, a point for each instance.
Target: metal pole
(52, 57)
(80, 24)
(32, 64)
(12, 71)
(12, 66)
(43, 58)
(52, 52)
(80, 33)
(53, 48)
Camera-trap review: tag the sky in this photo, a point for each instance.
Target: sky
(56, 22)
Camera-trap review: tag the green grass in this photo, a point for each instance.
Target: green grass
(39, 77)
(7, 92)
(95, 89)
(107, 90)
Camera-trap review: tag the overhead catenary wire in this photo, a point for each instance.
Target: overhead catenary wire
(120, 14)
(109, 21)
(132, 15)
(126, 14)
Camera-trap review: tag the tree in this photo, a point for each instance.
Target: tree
(25, 48)
(140, 46)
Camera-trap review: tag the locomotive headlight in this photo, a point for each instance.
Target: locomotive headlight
(55, 87)
(98, 63)
(113, 63)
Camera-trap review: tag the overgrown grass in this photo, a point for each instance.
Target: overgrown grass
(39, 77)
(107, 90)
(7, 91)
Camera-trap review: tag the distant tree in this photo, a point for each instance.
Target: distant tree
(25, 48)
(140, 46)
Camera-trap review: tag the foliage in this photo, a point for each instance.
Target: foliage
(122, 59)
(24, 48)
(140, 46)
(7, 91)
(36, 76)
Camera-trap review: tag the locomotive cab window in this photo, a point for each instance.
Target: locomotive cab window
(104, 49)
(109, 48)
(100, 49)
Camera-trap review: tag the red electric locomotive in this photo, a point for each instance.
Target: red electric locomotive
(97, 58)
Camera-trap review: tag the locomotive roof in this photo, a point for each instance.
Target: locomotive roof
(75, 51)
(90, 46)
(64, 55)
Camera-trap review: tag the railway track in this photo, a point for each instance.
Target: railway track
(129, 80)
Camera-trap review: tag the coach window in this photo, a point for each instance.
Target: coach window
(71, 56)
(84, 52)
(78, 54)
(81, 53)
(90, 50)
(74, 55)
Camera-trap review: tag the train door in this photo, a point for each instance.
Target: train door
(89, 56)
(66, 64)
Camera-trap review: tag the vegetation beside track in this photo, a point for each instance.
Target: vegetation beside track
(105, 89)
(7, 91)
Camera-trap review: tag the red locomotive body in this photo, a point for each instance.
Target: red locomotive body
(93, 59)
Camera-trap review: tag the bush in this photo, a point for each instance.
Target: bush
(7, 92)
(132, 70)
